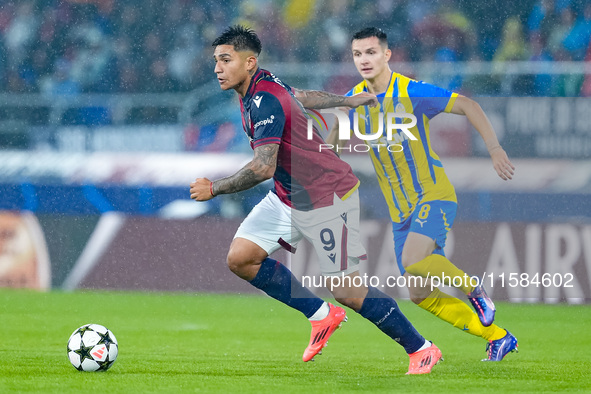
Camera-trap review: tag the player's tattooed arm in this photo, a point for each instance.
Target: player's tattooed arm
(261, 168)
(317, 99)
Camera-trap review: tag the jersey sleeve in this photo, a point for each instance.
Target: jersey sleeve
(351, 111)
(431, 99)
(268, 119)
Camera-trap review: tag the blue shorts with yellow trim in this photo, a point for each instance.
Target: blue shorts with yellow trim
(433, 219)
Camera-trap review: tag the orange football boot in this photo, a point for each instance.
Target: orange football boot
(322, 330)
(423, 361)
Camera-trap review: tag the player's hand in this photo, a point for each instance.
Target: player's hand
(502, 164)
(201, 189)
(363, 98)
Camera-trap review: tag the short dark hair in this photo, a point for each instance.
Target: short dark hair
(371, 32)
(241, 38)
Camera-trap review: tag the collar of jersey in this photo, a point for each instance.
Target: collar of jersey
(383, 94)
(258, 75)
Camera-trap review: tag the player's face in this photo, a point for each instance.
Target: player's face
(232, 67)
(371, 58)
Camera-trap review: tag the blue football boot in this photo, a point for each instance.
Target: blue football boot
(483, 305)
(498, 349)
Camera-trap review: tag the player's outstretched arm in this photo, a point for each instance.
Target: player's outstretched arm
(476, 116)
(317, 99)
(261, 168)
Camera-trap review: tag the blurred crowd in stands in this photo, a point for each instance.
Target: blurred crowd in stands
(65, 47)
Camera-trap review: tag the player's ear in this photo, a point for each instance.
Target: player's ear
(251, 63)
(387, 53)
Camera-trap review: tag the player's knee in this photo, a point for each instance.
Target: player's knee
(416, 299)
(416, 248)
(243, 260)
(406, 261)
(232, 262)
(239, 264)
(409, 258)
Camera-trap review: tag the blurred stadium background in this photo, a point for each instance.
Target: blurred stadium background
(109, 109)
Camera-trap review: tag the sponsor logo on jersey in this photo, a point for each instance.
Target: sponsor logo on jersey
(265, 122)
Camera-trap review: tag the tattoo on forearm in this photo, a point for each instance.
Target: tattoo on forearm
(258, 170)
(242, 180)
(317, 99)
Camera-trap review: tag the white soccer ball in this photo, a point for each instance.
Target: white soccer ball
(92, 347)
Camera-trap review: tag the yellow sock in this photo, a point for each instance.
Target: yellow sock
(459, 314)
(439, 266)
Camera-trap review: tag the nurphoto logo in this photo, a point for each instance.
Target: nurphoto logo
(377, 140)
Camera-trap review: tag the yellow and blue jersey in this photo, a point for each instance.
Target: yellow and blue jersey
(416, 174)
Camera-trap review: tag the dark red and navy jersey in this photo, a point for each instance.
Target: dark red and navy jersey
(306, 177)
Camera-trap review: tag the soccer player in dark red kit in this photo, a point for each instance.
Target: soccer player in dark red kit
(314, 197)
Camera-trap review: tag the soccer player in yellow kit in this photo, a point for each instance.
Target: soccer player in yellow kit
(421, 200)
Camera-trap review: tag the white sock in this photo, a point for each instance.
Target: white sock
(425, 345)
(321, 313)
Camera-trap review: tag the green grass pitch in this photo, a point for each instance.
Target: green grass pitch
(228, 343)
